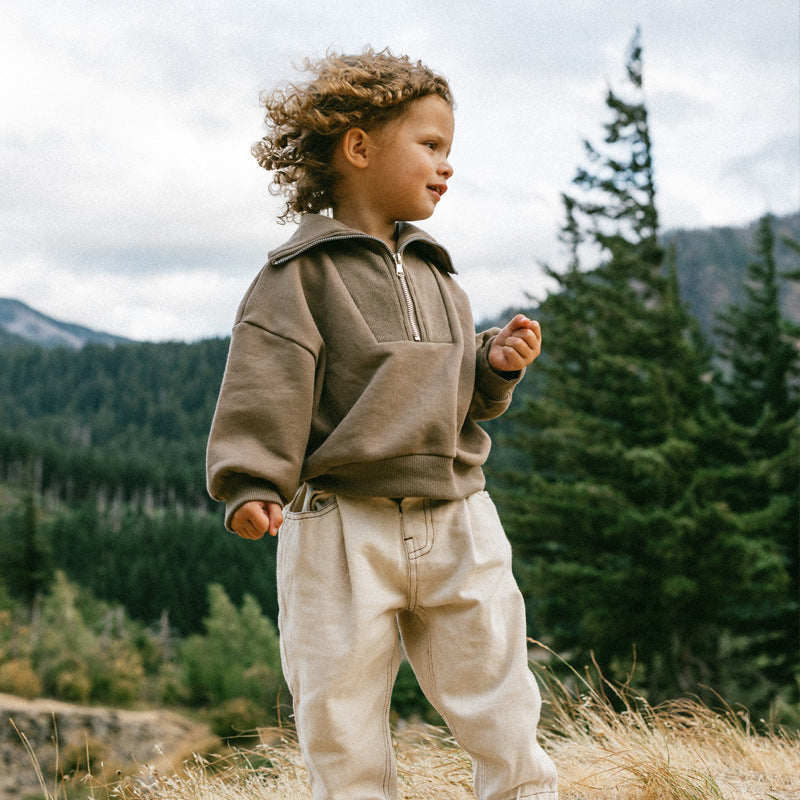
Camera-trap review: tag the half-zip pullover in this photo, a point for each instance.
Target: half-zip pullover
(355, 369)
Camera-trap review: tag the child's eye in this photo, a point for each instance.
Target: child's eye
(431, 145)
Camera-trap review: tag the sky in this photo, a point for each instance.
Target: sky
(130, 203)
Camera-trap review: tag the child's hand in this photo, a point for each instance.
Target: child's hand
(516, 346)
(252, 520)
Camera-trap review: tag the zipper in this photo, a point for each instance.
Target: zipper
(397, 259)
(401, 276)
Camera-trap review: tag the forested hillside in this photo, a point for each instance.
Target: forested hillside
(111, 441)
(124, 422)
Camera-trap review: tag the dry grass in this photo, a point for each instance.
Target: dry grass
(606, 744)
(678, 751)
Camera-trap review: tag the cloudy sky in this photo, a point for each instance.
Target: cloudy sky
(130, 202)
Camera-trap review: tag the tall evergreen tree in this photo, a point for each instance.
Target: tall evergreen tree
(618, 551)
(758, 384)
(25, 561)
(759, 346)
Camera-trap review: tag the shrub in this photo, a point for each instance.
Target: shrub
(17, 677)
(172, 688)
(238, 657)
(85, 649)
(72, 682)
(117, 674)
(237, 719)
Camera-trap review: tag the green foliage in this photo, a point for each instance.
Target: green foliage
(72, 647)
(161, 561)
(124, 421)
(758, 347)
(25, 561)
(759, 389)
(82, 649)
(238, 657)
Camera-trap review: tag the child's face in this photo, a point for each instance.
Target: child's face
(408, 165)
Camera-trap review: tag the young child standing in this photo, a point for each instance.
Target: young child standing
(351, 396)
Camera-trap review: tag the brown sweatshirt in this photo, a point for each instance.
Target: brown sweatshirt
(357, 370)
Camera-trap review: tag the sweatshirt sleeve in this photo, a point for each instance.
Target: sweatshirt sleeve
(493, 390)
(262, 421)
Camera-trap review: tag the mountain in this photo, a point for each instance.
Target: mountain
(712, 266)
(20, 325)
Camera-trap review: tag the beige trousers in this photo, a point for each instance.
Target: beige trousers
(355, 571)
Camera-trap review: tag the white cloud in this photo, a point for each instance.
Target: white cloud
(174, 304)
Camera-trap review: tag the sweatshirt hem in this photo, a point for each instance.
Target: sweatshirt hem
(403, 476)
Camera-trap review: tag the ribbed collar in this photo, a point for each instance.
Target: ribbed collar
(316, 229)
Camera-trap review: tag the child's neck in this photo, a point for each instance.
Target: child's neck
(360, 220)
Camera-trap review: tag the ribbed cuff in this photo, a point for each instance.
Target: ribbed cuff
(242, 490)
(492, 384)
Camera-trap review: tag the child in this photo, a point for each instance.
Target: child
(352, 392)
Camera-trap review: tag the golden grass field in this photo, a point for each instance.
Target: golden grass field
(606, 745)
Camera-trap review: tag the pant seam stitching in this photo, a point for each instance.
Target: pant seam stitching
(412, 585)
(427, 545)
(389, 752)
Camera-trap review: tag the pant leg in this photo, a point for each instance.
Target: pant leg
(340, 587)
(466, 640)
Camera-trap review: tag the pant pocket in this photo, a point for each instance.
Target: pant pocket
(309, 501)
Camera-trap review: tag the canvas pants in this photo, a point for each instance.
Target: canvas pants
(353, 572)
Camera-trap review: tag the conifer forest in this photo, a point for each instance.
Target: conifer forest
(647, 474)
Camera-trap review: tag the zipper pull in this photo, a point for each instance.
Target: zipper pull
(398, 263)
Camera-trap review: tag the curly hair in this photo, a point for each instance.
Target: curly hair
(305, 121)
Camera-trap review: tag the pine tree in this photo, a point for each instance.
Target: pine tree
(25, 560)
(758, 384)
(619, 553)
(238, 657)
(758, 346)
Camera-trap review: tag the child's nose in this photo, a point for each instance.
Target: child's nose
(445, 169)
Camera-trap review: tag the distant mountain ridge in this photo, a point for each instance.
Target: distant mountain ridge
(21, 324)
(712, 269)
(712, 266)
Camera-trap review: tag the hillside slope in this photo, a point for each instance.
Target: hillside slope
(114, 739)
(21, 323)
(712, 265)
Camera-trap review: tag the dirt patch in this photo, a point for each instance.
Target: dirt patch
(60, 734)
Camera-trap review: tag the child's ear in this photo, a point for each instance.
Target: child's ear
(355, 146)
